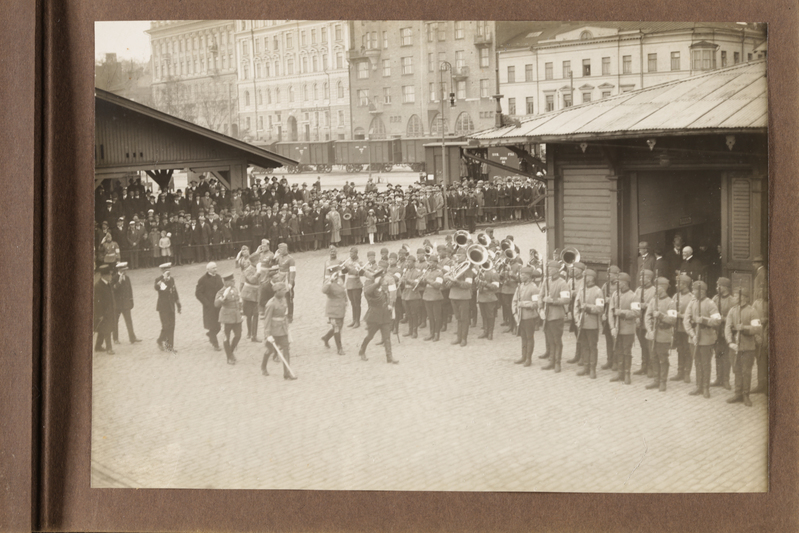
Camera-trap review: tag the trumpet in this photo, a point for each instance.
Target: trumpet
(461, 237)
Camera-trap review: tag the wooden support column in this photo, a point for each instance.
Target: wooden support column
(554, 214)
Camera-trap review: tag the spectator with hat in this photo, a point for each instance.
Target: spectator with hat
(646, 261)
(228, 301)
(104, 310)
(123, 299)
(168, 301)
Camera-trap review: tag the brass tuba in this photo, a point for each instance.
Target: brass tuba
(570, 255)
(476, 254)
(461, 237)
(482, 238)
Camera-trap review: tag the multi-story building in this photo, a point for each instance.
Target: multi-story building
(398, 83)
(194, 72)
(549, 66)
(293, 79)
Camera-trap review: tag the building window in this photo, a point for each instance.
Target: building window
(339, 90)
(627, 64)
(363, 70)
(529, 105)
(315, 92)
(567, 69)
(675, 61)
(406, 35)
(257, 46)
(408, 94)
(289, 41)
(260, 123)
(482, 28)
(431, 63)
(324, 34)
(340, 117)
(303, 40)
(277, 100)
(459, 29)
(291, 93)
(247, 98)
(461, 87)
(338, 32)
(652, 63)
(528, 72)
(442, 31)
(386, 67)
(460, 61)
(327, 91)
(387, 95)
(277, 68)
(304, 64)
(438, 125)
(511, 106)
(567, 100)
(736, 58)
(605, 94)
(339, 60)
(260, 97)
(431, 32)
(247, 123)
(606, 66)
(464, 124)
(266, 69)
(586, 67)
(586, 97)
(313, 36)
(276, 43)
(485, 57)
(511, 74)
(723, 58)
(269, 96)
(703, 59)
(314, 64)
(484, 88)
(548, 71)
(432, 91)
(407, 65)
(385, 40)
(414, 127)
(289, 67)
(363, 97)
(245, 48)
(584, 36)
(550, 99)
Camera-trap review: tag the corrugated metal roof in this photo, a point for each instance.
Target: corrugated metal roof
(733, 98)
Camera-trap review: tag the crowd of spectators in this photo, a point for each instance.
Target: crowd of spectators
(209, 222)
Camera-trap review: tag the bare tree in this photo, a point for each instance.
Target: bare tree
(173, 98)
(216, 102)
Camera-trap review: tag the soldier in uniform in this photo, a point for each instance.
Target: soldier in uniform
(168, 301)
(228, 301)
(525, 307)
(331, 261)
(487, 285)
(589, 306)
(622, 316)
(574, 278)
(287, 266)
(335, 309)
(104, 310)
(446, 263)
(701, 322)
(276, 329)
(123, 300)
(643, 294)
(659, 320)
(761, 306)
(431, 284)
(207, 288)
(354, 286)
(607, 291)
(249, 295)
(509, 280)
(411, 297)
(684, 360)
(555, 296)
(395, 271)
(460, 296)
(379, 316)
(742, 328)
(724, 302)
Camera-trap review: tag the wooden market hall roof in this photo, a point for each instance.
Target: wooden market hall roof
(130, 135)
(728, 100)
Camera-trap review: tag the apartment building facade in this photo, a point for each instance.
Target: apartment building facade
(552, 66)
(402, 71)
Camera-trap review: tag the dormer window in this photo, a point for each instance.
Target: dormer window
(586, 35)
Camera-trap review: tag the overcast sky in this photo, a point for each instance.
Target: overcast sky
(127, 39)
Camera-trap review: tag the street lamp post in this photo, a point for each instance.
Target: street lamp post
(444, 66)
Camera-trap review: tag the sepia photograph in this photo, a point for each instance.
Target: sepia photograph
(416, 255)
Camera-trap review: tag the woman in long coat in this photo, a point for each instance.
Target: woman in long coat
(402, 205)
(410, 218)
(335, 225)
(393, 225)
(421, 220)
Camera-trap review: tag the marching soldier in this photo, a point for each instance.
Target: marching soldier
(682, 298)
(421, 264)
(742, 329)
(332, 261)
(556, 296)
(249, 296)
(622, 316)
(641, 298)
(379, 316)
(433, 299)
(660, 317)
(411, 298)
(445, 262)
(395, 271)
(525, 305)
(228, 301)
(589, 307)
(509, 280)
(287, 266)
(335, 309)
(354, 286)
(276, 329)
(168, 301)
(460, 296)
(487, 284)
(724, 302)
(701, 321)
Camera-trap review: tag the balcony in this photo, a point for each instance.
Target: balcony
(460, 73)
(483, 40)
(363, 53)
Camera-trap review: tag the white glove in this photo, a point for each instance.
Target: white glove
(270, 339)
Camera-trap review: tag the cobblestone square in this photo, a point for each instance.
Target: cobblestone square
(447, 418)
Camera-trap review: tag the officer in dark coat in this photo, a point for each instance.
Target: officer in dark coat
(207, 288)
(123, 298)
(104, 310)
(168, 301)
(380, 316)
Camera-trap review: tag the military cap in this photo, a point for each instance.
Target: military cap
(553, 265)
(663, 282)
(614, 269)
(354, 249)
(699, 284)
(370, 253)
(744, 291)
(527, 270)
(725, 282)
(411, 259)
(229, 277)
(684, 278)
(392, 255)
(624, 276)
(648, 273)
(280, 286)
(421, 251)
(579, 266)
(383, 250)
(589, 272)
(283, 245)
